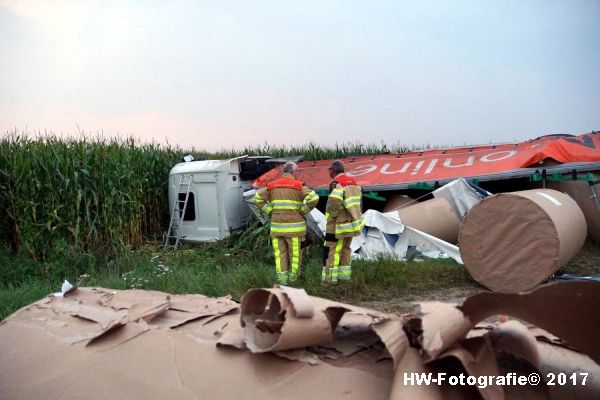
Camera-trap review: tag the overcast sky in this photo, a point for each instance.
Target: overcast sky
(230, 73)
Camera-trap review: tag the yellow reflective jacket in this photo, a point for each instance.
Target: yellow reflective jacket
(286, 201)
(343, 210)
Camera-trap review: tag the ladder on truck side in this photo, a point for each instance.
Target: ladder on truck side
(173, 233)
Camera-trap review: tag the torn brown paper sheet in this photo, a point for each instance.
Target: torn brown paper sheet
(140, 304)
(272, 323)
(286, 318)
(132, 344)
(515, 338)
(142, 360)
(570, 311)
(183, 309)
(202, 305)
(354, 333)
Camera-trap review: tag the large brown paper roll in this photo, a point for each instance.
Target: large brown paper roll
(397, 201)
(435, 217)
(511, 242)
(585, 196)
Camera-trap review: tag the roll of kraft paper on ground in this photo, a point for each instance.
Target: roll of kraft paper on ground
(586, 197)
(397, 201)
(512, 242)
(435, 217)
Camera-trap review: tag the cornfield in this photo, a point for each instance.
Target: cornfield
(102, 194)
(94, 195)
(312, 151)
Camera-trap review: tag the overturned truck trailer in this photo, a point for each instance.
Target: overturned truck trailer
(216, 207)
(538, 160)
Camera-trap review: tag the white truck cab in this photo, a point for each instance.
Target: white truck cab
(215, 206)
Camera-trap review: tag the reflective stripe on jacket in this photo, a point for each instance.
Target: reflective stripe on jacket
(286, 201)
(343, 211)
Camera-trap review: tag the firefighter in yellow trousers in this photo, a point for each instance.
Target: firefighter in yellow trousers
(344, 221)
(286, 201)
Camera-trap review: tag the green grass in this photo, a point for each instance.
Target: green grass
(587, 261)
(213, 270)
(234, 266)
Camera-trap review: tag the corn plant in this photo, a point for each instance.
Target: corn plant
(311, 151)
(95, 194)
